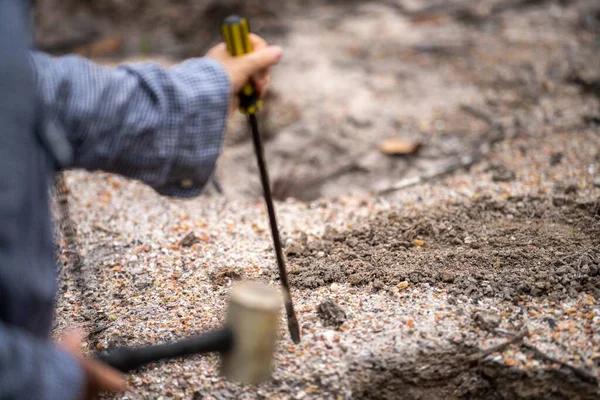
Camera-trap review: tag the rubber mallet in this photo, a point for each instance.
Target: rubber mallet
(246, 342)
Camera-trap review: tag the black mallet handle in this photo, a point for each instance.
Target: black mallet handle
(126, 359)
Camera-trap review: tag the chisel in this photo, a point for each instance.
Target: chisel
(236, 31)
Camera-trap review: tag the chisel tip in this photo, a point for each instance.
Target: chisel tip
(293, 326)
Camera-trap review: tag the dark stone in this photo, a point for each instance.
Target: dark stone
(331, 313)
(556, 158)
(486, 320)
(502, 174)
(551, 322)
(189, 240)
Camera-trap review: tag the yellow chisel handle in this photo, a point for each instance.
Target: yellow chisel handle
(236, 33)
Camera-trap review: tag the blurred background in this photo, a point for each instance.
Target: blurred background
(370, 94)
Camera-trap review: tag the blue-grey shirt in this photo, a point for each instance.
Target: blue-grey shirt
(161, 126)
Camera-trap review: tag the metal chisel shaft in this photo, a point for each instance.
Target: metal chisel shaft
(293, 326)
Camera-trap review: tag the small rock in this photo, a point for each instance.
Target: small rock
(355, 279)
(329, 336)
(189, 240)
(486, 320)
(551, 322)
(332, 234)
(352, 241)
(403, 285)
(334, 287)
(556, 158)
(197, 395)
(524, 288)
(487, 290)
(300, 395)
(447, 276)
(320, 255)
(560, 201)
(585, 270)
(571, 189)
(521, 357)
(562, 270)
(223, 275)
(314, 246)
(293, 248)
(144, 284)
(501, 174)
(331, 313)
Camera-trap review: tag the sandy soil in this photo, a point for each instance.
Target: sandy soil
(419, 284)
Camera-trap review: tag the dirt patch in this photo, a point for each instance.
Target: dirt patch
(451, 374)
(482, 248)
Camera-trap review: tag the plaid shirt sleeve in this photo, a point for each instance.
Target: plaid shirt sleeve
(163, 126)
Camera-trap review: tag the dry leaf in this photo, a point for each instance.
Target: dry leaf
(430, 18)
(398, 147)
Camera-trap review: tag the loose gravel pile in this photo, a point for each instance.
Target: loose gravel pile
(484, 247)
(480, 284)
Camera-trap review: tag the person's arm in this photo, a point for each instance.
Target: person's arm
(163, 126)
(34, 369)
(29, 368)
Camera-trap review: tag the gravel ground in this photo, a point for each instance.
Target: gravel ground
(419, 284)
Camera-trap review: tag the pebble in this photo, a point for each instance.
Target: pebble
(329, 335)
(447, 276)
